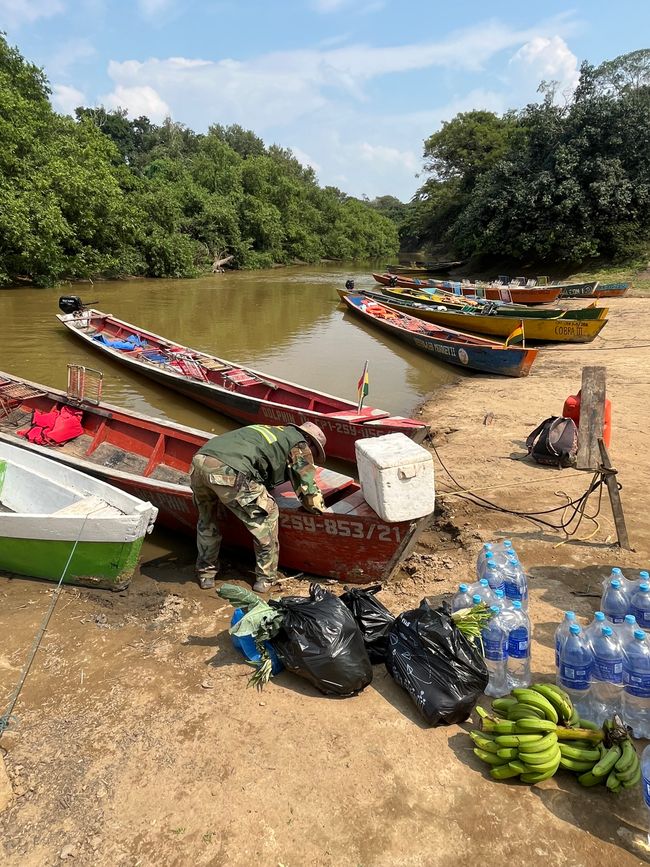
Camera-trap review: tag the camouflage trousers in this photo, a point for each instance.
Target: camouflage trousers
(213, 482)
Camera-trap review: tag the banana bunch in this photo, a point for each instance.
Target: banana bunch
(618, 765)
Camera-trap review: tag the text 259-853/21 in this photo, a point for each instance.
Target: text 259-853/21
(340, 527)
(325, 424)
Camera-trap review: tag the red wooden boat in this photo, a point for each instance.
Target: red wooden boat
(239, 392)
(151, 458)
(507, 294)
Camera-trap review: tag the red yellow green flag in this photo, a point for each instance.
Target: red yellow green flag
(517, 336)
(362, 387)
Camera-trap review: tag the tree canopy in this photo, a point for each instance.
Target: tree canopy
(102, 195)
(555, 182)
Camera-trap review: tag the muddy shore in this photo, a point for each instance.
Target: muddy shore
(136, 741)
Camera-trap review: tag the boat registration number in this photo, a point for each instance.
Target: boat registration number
(340, 527)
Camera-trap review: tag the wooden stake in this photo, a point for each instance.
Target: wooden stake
(614, 496)
(592, 417)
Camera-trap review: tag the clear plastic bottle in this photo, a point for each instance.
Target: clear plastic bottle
(574, 674)
(614, 603)
(494, 575)
(595, 627)
(484, 590)
(519, 640)
(462, 599)
(495, 648)
(615, 575)
(626, 629)
(636, 685)
(607, 681)
(633, 583)
(482, 555)
(515, 580)
(562, 633)
(640, 605)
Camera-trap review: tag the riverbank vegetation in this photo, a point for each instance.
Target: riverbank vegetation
(105, 196)
(563, 180)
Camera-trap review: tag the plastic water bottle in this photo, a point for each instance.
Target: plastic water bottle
(561, 635)
(518, 662)
(615, 575)
(515, 581)
(463, 599)
(640, 605)
(498, 550)
(595, 627)
(636, 685)
(614, 603)
(495, 576)
(626, 629)
(495, 648)
(607, 681)
(484, 591)
(480, 560)
(633, 584)
(574, 675)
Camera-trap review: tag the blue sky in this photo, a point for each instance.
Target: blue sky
(352, 86)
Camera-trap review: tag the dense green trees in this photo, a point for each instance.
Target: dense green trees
(108, 196)
(548, 182)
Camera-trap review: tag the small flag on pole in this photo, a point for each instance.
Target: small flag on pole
(517, 336)
(362, 387)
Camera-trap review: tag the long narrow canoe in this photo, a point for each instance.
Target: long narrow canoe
(563, 328)
(454, 347)
(239, 392)
(56, 522)
(490, 308)
(150, 458)
(595, 290)
(509, 294)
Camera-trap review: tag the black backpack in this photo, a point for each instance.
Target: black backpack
(554, 442)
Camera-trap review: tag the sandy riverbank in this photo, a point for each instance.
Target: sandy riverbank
(137, 743)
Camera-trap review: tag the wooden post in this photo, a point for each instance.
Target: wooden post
(592, 417)
(614, 497)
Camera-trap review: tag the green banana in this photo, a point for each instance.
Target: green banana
(579, 754)
(629, 774)
(489, 758)
(574, 719)
(607, 762)
(535, 725)
(495, 725)
(575, 765)
(628, 755)
(503, 705)
(536, 699)
(517, 740)
(561, 703)
(558, 689)
(504, 772)
(524, 711)
(538, 777)
(587, 779)
(580, 734)
(539, 746)
(592, 726)
(543, 760)
(628, 784)
(483, 743)
(508, 753)
(613, 783)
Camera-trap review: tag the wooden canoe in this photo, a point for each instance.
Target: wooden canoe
(454, 347)
(563, 328)
(150, 458)
(595, 290)
(508, 294)
(55, 521)
(491, 308)
(239, 392)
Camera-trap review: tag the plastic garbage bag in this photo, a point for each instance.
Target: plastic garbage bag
(373, 619)
(439, 668)
(320, 641)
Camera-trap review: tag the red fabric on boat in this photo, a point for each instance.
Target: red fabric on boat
(53, 428)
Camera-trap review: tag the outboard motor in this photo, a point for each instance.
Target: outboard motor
(71, 304)
(349, 285)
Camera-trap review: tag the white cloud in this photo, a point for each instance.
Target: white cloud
(67, 55)
(65, 98)
(326, 6)
(305, 159)
(139, 100)
(545, 58)
(389, 156)
(13, 13)
(151, 8)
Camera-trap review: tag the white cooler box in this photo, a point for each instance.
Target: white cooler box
(396, 477)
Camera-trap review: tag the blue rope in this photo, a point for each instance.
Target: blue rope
(7, 716)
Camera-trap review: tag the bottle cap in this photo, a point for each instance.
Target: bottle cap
(507, 543)
(484, 582)
(599, 615)
(644, 576)
(495, 609)
(630, 619)
(487, 546)
(463, 588)
(476, 599)
(499, 594)
(616, 571)
(492, 565)
(569, 615)
(615, 583)
(607, 630)
(574, 629)
(639, 634)
(516, 604)
(644, 586)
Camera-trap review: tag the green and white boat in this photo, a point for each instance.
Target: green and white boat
(55, 521)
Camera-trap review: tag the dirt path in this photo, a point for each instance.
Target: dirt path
(137, 743)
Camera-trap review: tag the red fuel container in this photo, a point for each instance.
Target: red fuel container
(572, 410)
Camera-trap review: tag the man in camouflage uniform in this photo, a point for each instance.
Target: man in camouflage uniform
(236, 469)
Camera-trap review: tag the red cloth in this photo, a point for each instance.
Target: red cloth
(53, 428)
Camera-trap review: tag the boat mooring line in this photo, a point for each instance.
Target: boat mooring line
(7, 716)
(508, 485)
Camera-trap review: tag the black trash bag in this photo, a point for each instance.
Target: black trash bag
(320, 641)
(441, 670)
(373, 619)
